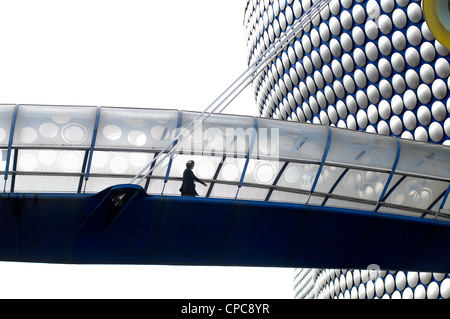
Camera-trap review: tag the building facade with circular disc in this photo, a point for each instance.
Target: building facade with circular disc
(373, 66)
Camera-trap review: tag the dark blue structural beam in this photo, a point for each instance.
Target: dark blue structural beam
(123, 225)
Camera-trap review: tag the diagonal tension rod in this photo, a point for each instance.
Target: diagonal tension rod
(224, 99)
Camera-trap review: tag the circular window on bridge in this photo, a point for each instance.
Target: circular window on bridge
(423, 198)
(230, 172)
(354, 180)
(265, 173)
(28, 135)
(70, 161)
(48, 130)
(159, 132)
(28, 162)
(134, 121)
(74, 133)
(307, 148)
(61, 119)
(112, 132)
(137, 138)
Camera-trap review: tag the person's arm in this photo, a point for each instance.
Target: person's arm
(197, 179)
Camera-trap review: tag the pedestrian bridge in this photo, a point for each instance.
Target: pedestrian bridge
(100, 185)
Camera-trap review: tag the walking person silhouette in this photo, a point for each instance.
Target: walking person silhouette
(189, 179)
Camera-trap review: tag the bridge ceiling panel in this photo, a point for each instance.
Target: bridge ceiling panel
(289, 141)
(54, 126)
(218, 134)
(424, 159)
(136, 128)
(359, 149)
(87, 149)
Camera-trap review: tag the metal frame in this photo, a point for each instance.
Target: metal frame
(249, 152)
(324, 157)
(91, 151)
(391, 175)
(169, 166)
(11, 137)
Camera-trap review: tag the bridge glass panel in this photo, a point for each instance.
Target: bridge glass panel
(424, 159)
(362, 184)
(298, 176)
(418, 193)
(252, 193)
(136, 128)
(45, 184)
(329, 177)
(288, 197)
(58, 170)
(290, 141)
(118, 162)
(55, 126)
(361, 149)
(219, 134)
(222, 190)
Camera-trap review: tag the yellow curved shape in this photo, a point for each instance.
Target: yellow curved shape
(437, 16)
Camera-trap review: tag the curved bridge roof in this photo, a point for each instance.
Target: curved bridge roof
(84, 149)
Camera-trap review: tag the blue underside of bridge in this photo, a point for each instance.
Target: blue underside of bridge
(123, 225)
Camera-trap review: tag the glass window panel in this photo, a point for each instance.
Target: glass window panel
(252, 193)
(261, 171)
(136, 128)
(172, 187)
(421, 158)
(446, 207)
(205, 166)
(362, 184)
(155, 186)
(63, 126)
(393, 183)
(6, 116)
(119, 163)
(328, 177)
(416, 192)
(361, 149)
(6, 185)
(231, 170)
(46, 184)
(436, 206)
(159, 165)
(223, 191)
(298, 176)
(286, 140)
(316, 200)
(217, 135)
(288, 197)
(49, 160)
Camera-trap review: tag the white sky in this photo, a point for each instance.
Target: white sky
(129, 53)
